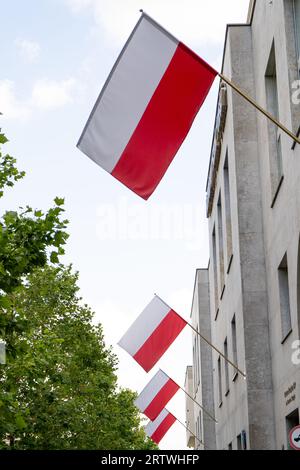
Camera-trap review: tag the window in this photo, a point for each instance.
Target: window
(230, 446)
(221, 244)
(199, 429)
(195, 366)
(275, 150)
(234, 344)
(242, 441)
(296, 4)
(197, 359)
(284, 294)
(227, 211)
(226, 367)
(215, 268)
(220, 381)
(200, 426)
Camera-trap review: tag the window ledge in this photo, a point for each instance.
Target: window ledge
(287, 336)
(217, 314)
(277, 191)
(229, 264)
(235, 377)
(297, 135)
(223, 290)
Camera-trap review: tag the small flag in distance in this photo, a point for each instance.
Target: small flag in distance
(156, 395)
(152, 333)
(158, 428)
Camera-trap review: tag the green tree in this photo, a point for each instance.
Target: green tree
(58, 389)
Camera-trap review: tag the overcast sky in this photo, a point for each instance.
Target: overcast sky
(55, 57)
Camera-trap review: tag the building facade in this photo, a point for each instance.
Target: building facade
(248, 300)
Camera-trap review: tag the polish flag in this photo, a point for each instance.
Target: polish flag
(156, 395)
(157, 429)
(152, 333)
(146, 107)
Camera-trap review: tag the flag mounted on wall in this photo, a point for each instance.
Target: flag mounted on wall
(152, 333)
(156, 395)
(146, 107)
(158, 428)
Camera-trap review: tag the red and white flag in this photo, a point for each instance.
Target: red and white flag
(146, 107)
(156, 395)
(157, 429)
(152, 333)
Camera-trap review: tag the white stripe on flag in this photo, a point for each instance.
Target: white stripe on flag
(151, 390)
(122, 104)
(144, 326)
(153, 425)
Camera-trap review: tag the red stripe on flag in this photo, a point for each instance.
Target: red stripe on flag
(159, 341)
(163, 428)
(161, 399)
(165, 122)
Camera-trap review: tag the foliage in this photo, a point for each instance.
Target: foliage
(58, 389)
(9, 173)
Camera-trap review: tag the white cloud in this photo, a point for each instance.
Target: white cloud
(46, 95)
(29, 50)
(10, 105)
(49, 94)
(194, 22)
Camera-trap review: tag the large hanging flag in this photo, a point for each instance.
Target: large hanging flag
(156, 395)
(146, 107)
(152, 333)
(157, 429)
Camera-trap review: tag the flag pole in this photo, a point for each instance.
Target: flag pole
(182, 424)
(218, 351)
(200, 406)
(257, 106)
(208, 342)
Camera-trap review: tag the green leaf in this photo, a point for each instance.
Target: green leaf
(10, 217)
(54, 257)
(5, 302)
(38, 214)
(3, 139)
(20, 422)
(59, 201)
